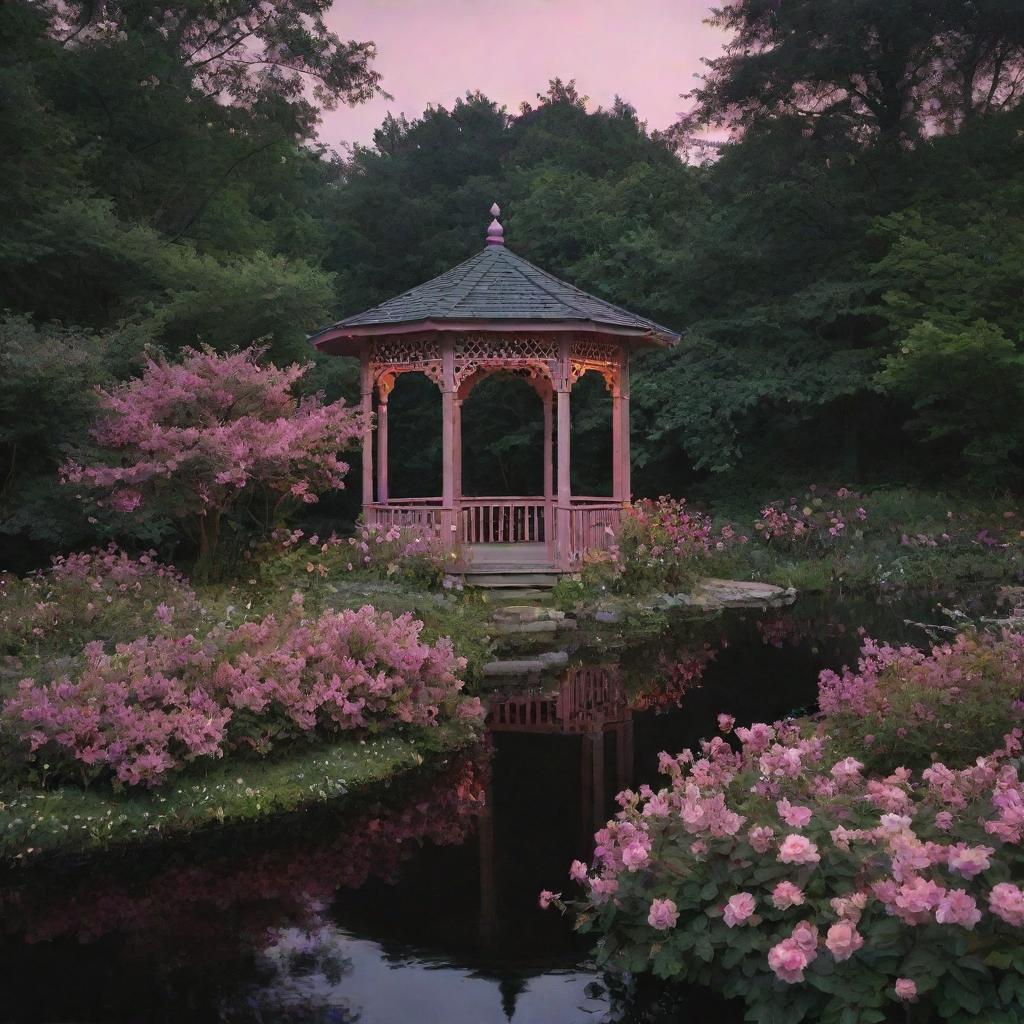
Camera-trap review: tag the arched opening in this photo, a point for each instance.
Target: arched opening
(414, 437)
(502, 438)
(591, 413)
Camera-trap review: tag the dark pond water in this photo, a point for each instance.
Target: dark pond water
(422, 907)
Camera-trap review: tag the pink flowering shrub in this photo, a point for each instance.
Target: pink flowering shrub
(103, 595)
(198, 435)
(820, 521)
(408, 552)
(906, 706)
(141, 713)
(665, 544)
(812, 889)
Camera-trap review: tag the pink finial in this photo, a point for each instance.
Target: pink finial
(495, 232)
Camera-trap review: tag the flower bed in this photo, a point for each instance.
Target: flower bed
(409, 552)
(141, 713)
(662, 544)
(820, 521)
(781, 871)
(103, 594)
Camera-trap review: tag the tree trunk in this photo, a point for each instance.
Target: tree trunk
(209, 531)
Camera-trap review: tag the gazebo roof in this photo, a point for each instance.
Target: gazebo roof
(494, 290)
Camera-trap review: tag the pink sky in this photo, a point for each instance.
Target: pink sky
(432, 51)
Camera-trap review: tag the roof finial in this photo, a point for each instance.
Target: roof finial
(495, 232)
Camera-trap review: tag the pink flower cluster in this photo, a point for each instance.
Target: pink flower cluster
(821, 519)
(157, 703)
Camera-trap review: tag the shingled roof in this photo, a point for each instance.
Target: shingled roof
(496, 287)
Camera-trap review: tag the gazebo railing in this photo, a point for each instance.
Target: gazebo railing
(421, 512)
(593, 523)
(519, 520)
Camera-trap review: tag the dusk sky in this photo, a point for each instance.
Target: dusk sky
(432, 51)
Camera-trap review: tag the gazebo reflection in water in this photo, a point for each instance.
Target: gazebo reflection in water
(589, 704)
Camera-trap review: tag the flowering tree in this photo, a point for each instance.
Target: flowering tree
(198, 434)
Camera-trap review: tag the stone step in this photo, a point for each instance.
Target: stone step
(512, 579)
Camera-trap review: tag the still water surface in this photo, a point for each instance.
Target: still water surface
(421, 907)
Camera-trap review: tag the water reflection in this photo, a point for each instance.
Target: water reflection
(422, 905)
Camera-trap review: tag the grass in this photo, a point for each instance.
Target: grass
(37, 823)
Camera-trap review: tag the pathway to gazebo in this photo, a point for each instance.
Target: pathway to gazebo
(498, 313)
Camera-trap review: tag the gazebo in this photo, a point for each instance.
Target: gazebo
(496, 312)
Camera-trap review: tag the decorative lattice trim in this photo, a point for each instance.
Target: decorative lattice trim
(533, 356)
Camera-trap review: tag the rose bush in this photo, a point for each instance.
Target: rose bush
(813, 890)
(141, 713)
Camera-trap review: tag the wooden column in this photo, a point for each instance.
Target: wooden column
(366, 404)
(624, 493)
(448, 442)
(457, 468)
(549, 472)
(617, 441)
(564, 428)
(382, 447)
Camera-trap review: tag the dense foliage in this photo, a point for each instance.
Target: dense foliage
(786, 872)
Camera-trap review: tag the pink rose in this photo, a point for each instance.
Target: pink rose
(738, 909)
(788, 961)
(547, 897)
(663, 915)
(725, 723)
(761, 838)
(786, 895)
(578, 871)
(969, 860)
(798, 850)
(634, 856)
(1006, 901)
(843, 940)
(805, 935)
(906, 990)
(792, 815)
(957, 907)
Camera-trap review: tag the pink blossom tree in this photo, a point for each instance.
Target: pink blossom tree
(194, 436)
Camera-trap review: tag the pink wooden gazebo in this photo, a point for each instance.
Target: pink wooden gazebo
(498, 313)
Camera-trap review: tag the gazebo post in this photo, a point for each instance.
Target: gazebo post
(549, 473)
(366, 396)
(457, 467)
(625, 494)
(382, 447)
(620, 429)
(448, 442)
(564, 428)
